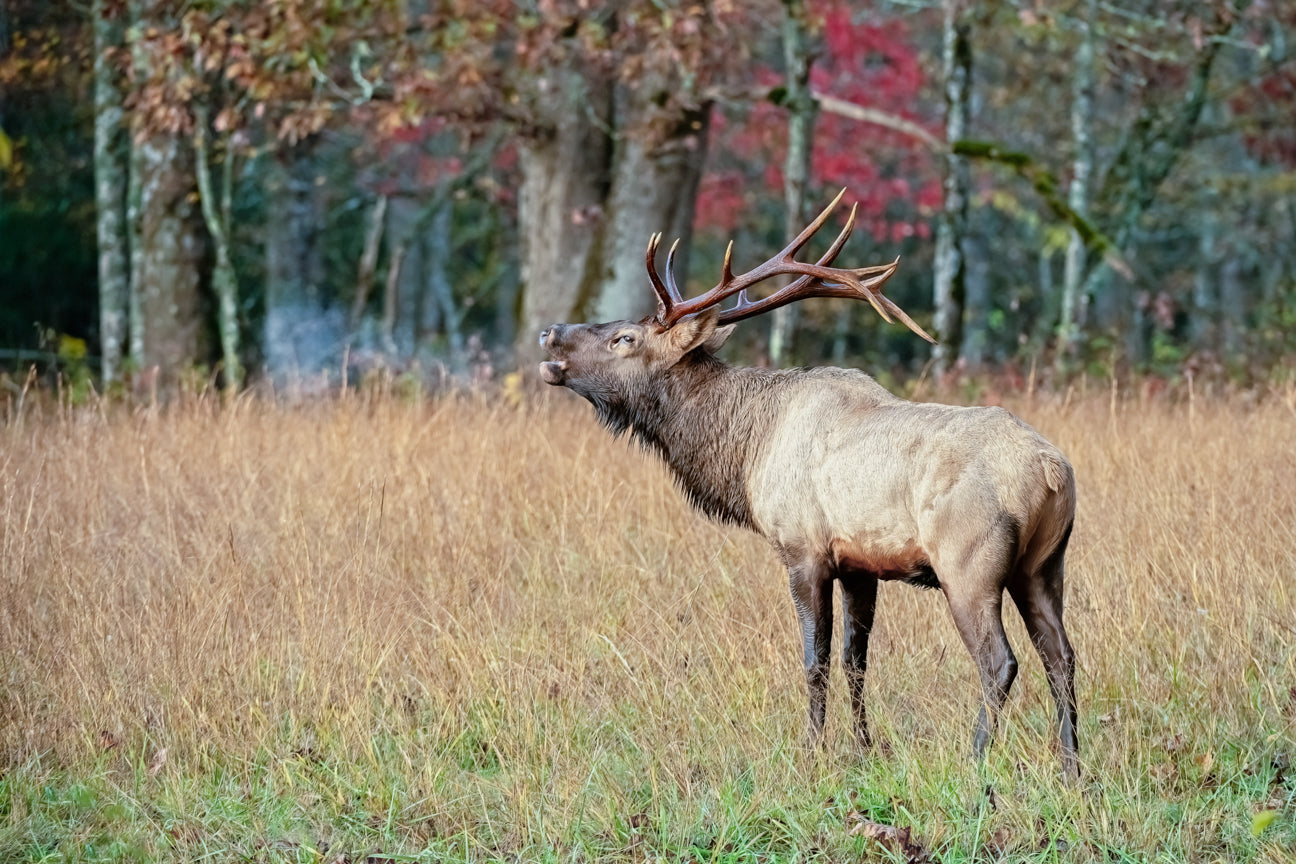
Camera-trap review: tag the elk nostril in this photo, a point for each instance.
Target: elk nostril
(549, 336)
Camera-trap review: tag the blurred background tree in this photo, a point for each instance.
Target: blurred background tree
(225, 185)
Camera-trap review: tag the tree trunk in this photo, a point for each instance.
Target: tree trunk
(976, 339)
(173, 247)
(502, 271)
(169, 244)
(560, 203)
(303, 332)
(1204, 320)
(949, 289)
(135, 247)
(368, 265)
(134, 196)
(437, 247)
(1234, 297)
(404, 225)
(801, 107)
(1074, 300)
(110, 164)
(1044, 326)
(654, 187)
(391, 286)
(4, 51)
(216, 210)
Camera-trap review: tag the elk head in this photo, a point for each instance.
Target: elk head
(603, 362)
(599, 361)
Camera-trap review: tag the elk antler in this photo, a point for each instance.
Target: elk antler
(815, 280)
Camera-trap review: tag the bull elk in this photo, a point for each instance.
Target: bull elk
(847, 482)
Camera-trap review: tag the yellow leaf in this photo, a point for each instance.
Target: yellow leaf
(1261, 821)
(6, 151)
(71, 348)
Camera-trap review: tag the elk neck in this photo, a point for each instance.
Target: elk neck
(706, 419)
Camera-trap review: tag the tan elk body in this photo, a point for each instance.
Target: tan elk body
(848, 482)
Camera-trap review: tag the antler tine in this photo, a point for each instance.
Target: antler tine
(842, 236)
(664, 299)
(902, 315)
(670, 273)
(813, 228)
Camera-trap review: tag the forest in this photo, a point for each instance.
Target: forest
(237, 191)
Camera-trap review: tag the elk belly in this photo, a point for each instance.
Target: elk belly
(907, 561)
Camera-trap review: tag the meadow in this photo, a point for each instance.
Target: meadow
(393, 627)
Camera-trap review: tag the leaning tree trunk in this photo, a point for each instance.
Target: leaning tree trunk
(368, 265)
(560, 203)
(655, 180)
(217, 209)
(800, 156)
(110, 167)
(950, 267)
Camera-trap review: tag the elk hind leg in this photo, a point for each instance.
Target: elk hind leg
(859, 601)
(1038, 597)
(812, 595)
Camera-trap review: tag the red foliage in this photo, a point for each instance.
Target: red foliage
(1265, 108)
(866, 60)
(1270, 104)
(720, 200)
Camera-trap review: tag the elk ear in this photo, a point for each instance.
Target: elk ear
(689, 333)
(718, 338)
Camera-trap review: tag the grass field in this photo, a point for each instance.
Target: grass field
(456, 629)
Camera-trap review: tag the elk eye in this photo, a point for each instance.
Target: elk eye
(624, 339)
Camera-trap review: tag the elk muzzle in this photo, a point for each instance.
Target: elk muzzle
(552, 371)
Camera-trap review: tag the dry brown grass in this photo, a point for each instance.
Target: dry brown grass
(482, 630)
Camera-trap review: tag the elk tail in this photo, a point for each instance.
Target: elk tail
(1057, 473)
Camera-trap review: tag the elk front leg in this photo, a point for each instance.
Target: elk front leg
(859, 600)
(812, 595)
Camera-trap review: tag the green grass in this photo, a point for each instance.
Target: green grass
(458, 800)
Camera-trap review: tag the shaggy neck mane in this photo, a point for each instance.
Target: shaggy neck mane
(706, 419)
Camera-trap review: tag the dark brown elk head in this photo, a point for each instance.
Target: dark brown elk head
(610, 362)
